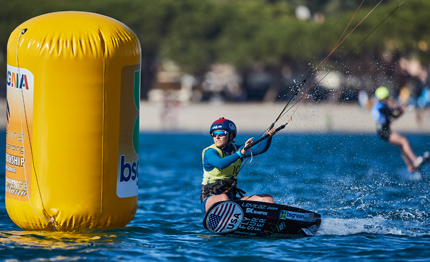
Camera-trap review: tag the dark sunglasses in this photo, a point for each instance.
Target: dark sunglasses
(219, 133)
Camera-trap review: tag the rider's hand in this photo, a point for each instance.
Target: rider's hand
(247, 143)
(271, 132)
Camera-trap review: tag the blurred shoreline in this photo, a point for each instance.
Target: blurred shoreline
(256, 117)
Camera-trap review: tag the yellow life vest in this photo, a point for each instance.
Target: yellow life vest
(220, 174)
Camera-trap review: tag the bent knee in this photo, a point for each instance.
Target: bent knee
(215, 199)
(268, 198)
(261, 198)
(264, 196)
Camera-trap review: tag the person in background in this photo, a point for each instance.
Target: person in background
(222, 162)
(383, 114)
(363, 99)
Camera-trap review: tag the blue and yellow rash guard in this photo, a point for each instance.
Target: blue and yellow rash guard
(223, 164)
(382, 114)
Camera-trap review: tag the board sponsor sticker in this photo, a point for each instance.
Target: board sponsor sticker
(284, 214)
(281, 226)
(225, 217)
(307, 232)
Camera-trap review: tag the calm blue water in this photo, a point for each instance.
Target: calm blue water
(371, 208)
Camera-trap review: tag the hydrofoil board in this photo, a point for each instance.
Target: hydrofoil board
(250, 219)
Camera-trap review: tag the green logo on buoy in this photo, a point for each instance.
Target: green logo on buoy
(136, 135)
(137, 103)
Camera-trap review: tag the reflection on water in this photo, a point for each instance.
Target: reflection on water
(59, 240)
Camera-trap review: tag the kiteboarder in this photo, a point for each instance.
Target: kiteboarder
(382, 113)
(222, 162)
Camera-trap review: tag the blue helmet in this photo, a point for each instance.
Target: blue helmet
(224, 124)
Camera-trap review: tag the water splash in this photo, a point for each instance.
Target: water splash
(373, 225)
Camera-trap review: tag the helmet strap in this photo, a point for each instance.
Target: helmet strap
(228, 141)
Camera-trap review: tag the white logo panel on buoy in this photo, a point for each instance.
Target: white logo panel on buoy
(128, 149)
(19, 130)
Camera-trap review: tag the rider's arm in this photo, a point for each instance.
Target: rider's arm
(212, 159)
(385, 111)
(397, 112)
(259, 148)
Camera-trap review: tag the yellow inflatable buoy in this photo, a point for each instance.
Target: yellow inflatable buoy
(73, 88)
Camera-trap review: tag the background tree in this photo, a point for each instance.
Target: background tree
(198, 33)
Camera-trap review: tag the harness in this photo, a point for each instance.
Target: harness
(222, 187)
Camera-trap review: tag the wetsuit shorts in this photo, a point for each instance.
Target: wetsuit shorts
(384, 133)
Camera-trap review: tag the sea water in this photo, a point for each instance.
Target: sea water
(372, 208)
